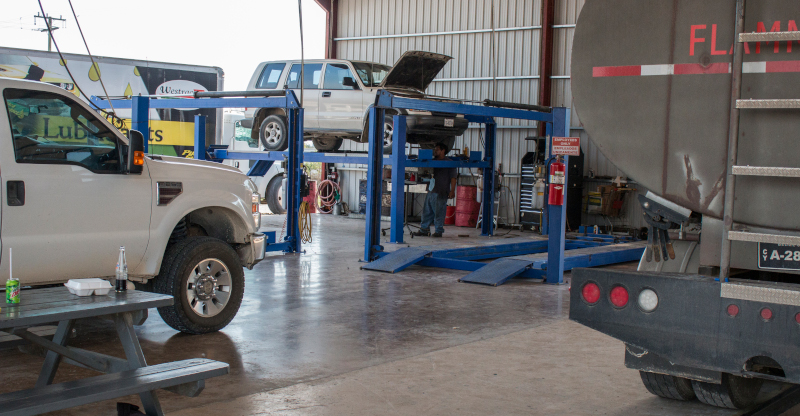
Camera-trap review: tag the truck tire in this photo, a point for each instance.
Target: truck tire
(734, 393)
(196, 309)
(388, 131)
(274, 195)
(273, 133)
(668, 387)
(327, 145)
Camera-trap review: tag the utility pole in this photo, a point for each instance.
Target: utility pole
(49, 27)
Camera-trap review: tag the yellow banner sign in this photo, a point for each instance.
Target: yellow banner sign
(65, 129)
(169, 133)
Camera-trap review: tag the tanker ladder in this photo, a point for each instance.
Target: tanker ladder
(733, 169)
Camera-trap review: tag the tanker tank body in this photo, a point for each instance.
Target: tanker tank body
(651, 84)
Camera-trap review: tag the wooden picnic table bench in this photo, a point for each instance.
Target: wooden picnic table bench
(121, 377)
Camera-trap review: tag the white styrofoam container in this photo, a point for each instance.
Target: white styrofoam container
(87, 287)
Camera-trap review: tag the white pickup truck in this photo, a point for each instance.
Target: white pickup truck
(76, 189)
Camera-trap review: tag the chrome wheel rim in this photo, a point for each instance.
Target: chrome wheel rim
(388, 132)
(273, 133)
(209, 287)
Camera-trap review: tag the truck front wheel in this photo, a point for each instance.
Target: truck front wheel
(205, 277)
(273, 133)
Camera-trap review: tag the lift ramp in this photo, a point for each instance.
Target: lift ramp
(398, 260)
(502, 270)
(497, 272)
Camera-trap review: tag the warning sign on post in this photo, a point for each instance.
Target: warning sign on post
(566, 146)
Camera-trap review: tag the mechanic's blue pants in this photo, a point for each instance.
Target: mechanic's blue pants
(434, 212)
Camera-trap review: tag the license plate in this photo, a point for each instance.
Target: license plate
(449, 122)
(778, 256)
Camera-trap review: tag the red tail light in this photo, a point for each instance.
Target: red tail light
(619, 296)
(766, 314)
(591, 293)
(733, 310)
(797, 318)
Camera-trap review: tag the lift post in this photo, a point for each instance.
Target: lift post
(557, 214)
(374, 182)
(140, 108)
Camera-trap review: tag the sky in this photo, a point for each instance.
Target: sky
(234, 35)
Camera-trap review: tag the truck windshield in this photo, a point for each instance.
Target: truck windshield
(53, 129)
(371, 74)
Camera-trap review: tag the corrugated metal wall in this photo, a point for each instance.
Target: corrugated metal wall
(382, 30)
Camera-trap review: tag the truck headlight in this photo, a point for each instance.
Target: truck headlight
(257, 209)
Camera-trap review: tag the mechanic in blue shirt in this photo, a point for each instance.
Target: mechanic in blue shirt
(442, 189)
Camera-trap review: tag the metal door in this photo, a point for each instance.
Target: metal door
(77, 207)
(341, 103)
(310, 97)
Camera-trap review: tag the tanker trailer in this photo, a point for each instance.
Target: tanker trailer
(708, 121)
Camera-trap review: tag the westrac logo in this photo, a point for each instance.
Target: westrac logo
(179, 88)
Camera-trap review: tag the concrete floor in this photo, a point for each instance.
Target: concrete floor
(318, 336)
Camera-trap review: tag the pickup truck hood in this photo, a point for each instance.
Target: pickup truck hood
(415, 70)
(193, 169)
(182, 161)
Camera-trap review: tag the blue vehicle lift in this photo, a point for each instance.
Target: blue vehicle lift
(556, 124)
(525, 257)
(140, 108)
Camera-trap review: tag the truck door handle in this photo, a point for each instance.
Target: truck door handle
(326, 93)
(15, 192)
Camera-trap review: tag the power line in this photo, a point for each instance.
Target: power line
(50, 28)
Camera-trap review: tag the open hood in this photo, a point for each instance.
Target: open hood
(416, 70)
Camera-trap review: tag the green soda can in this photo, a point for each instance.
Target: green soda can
(12, 291)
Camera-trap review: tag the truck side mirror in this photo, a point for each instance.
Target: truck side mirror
(134, 162)
(350, 82)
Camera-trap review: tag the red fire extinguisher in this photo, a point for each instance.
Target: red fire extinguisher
(556, 188)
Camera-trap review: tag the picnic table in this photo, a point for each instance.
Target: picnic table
(121, 377)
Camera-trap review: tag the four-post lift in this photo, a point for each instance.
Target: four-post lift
(556, 124)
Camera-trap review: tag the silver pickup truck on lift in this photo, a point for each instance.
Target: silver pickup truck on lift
(337, 95)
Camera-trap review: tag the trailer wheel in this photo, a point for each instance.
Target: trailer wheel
(734, 393)
(274, 195)
(668, 387)
(204, 275)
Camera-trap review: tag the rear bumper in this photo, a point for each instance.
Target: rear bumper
(436, 125)
(690, 328)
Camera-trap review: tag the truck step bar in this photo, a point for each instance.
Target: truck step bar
(768, 36)
(768, 104)
(766, 171)
(764, 238)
